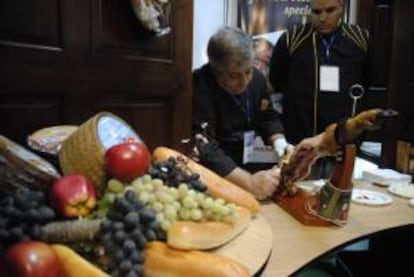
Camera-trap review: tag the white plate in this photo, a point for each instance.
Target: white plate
(403, 190)
(412, 202)
(370, 197)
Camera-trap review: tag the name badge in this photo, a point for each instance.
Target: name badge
(248, 143)
(329, 78)
(255, 151)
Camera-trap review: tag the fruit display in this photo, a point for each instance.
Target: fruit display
(155, 214)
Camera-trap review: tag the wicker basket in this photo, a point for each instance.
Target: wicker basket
(83, 152)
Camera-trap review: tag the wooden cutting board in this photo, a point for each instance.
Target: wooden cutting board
(252, 247)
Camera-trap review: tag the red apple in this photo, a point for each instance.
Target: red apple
(127, 161)
(30, 259)
(73, 195)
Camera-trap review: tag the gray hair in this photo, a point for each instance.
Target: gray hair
(229, 47)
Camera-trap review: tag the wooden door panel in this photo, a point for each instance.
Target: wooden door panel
(117, 31)
(401, 82)
(29, 25)
(80, 57)
(13, 108)
(151, 118)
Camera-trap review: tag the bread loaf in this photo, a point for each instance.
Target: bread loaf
(206, 235)
(164, 261)
(217, 186)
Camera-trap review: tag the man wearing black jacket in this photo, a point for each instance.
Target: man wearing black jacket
(314, 66)
(231, 96)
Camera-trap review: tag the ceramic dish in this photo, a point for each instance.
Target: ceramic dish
(403, 190)
(370, 197)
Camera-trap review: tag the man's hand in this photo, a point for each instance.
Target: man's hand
(265, 182)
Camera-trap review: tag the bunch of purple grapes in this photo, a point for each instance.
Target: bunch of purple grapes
(23, 212)
(124, 232)
(173, 175)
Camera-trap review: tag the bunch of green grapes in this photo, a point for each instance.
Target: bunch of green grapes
(182, 203)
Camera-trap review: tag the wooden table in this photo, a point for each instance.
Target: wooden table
(295, 245)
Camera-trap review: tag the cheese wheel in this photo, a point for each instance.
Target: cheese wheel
(83, 152)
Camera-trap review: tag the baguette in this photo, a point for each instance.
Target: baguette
(217, 186)
(206, 235)
(164, 261)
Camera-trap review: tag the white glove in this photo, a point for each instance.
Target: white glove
(281, 146)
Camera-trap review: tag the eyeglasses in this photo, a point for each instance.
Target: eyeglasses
(328, 10)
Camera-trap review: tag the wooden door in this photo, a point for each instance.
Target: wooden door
(401, 82)
(63, 61)
(376, 16)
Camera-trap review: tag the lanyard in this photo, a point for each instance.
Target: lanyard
(327, 43)
(244, 107)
